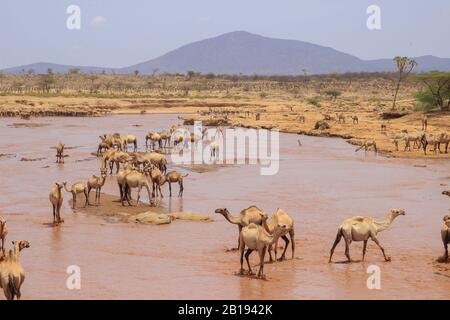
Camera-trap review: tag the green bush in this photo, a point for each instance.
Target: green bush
(313, 101)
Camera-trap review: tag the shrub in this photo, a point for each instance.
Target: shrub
(313, 101)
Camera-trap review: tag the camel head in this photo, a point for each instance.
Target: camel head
(21, 244)
(446, 192)
(446, 218)
(2, 222)
(103, 172)
(279, 230)
(222, 211)
(397, 212)
(59, 185)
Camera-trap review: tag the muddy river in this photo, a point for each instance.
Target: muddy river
(320, 183)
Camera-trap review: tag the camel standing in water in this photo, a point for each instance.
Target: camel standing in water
(136, 179)
(445, 235)
(249, 215)
(173, 177)
(255, 237)
(56, 198)
(361, 229)
(3, 232)
(12, 274)
(60, 153)
(75, 189)
(279, 218)
(96, 183)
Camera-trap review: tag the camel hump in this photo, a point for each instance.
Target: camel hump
(358, 219)
(251, 208)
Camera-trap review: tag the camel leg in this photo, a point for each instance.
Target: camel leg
(364, 249)
(292, 234)
(270, 253)
(139, 195)
(170, 189)
(247, 256)
(74, 200)
(180, 194)
(286, 240)
(241, 271)
(87, 198)
(445, 254)
(121, 192)
(338, 239)
(347, 249)
(54, 213)
(239, 241)
(99, 195)
(262, 253)
(382, 249)
(149, 197)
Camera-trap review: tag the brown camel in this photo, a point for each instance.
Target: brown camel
(445, 235)
(12, 274)
(367, 145)
(56, 198)
(96, 183)
(60, 153)
(158, 179)
(3, 232)
(173, 177)
(355, 119)
(361, 229)
(129, 139)
(127, 168)
(155, 138)
(249, 215)
(255, 237)
(136, 179)
(281, 218)
(75, 189)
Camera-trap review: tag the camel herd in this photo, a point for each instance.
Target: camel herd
(137, 170)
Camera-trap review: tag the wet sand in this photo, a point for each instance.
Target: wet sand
(320, 183)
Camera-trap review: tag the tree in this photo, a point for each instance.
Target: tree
(74, 70)
(404, 66)
(333, 93)
(45, 81)
(154, 71)
(136, 72)
(190, 74)
(437, 93)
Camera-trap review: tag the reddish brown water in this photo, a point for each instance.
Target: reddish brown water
(320, 184)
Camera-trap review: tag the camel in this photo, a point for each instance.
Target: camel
(75, 189)
(158, 180)
(3, 232)
(127, 168)
(173, 177)
(56, 198)
(104, 144)
(279, 218)
(60, 153)
(12, 274)
(129, 139)
(444, 138)
(424, 122)
(361, 229)
(96, 183)
(136, 179)
(214, 150)
(165, 137)
(367, 145)
(383, 128)
(354, 119)
(255, 237)
(155, 138)
(416, 139)
(301, 119)
(445, 234)
(432, 140)
(340, 117)
(249, 215)
(152, 158)
(116, 157)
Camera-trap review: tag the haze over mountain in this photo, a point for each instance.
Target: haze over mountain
(246, 53)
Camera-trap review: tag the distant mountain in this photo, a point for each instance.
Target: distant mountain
(42, 67)
(247, 53)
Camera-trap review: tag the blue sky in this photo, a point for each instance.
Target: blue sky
(118, 33)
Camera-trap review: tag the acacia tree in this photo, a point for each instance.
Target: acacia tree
(437, 93)
(404, 66)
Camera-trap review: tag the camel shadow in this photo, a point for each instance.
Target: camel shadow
(249, 276)
(52, 224)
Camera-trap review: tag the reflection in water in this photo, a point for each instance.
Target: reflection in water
(320, 184)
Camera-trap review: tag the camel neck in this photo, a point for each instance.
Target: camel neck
(232, 219)
(381, 226)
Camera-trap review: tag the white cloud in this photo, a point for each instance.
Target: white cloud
(98, 22)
